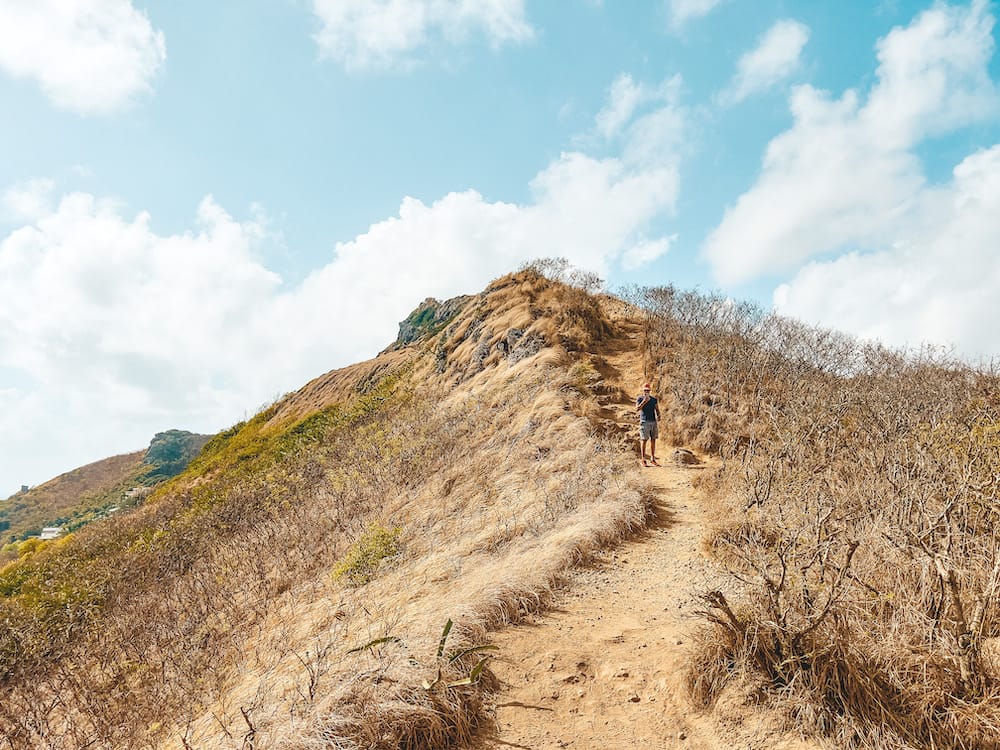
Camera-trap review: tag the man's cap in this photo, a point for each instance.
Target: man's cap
(645, 387)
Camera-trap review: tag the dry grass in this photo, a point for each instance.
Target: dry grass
(337, 386)
(211, 618)
(856, 511)
(515, 503)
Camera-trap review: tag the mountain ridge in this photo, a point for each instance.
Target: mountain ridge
(333, 571)
(452, 421)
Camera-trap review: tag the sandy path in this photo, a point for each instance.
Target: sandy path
(603, 669)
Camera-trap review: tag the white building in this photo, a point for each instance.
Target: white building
(51, 532)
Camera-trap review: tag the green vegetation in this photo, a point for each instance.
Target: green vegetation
(260, 447)
(277, 493)
(242, 477)
(422, 318)
(458, 658)
(169, 453)
(583, 375)
(363, 559)
(71, 500)
(430, 317)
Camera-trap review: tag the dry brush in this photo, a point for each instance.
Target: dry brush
(857, 513)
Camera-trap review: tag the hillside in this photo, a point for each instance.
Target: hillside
(342, 570)
(433, 483)
(90, 492)
(24, 513)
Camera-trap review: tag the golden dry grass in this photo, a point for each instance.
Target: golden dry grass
(856, 512)
(213, 619)
(337, 386)
(523, 493)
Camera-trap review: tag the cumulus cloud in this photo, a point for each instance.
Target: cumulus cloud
(646, 120)
(646, 252)
(775, 58)
(650, 125)
(936, 283)
(623, 99)
(380, 33)
(107, 324)
(116, 328)
(88, 56)
(846, 173)
(680, 12)
(888, 254)
(628, 98)
(29, 201)
(109, 332)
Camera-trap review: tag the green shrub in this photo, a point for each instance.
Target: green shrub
(364, 558)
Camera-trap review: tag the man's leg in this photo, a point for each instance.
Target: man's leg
(652, 447)
(643, 450)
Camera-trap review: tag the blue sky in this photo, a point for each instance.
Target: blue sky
(204, 205)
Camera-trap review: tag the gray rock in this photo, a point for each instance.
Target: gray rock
(684, 457)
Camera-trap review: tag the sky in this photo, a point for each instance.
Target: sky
(205, 205)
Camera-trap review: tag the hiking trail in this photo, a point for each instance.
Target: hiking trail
(603, 668)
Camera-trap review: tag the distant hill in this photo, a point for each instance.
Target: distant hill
(89, 492)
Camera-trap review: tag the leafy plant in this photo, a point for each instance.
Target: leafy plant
(454, 659)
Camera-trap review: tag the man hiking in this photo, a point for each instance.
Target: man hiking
(649, 415)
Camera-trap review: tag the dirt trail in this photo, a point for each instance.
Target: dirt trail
(603, 669)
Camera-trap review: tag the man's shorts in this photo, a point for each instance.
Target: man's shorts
(649, 430)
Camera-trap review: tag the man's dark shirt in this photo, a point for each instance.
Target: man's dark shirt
(648, 409)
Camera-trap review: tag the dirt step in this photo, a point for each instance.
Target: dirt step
(609, 390)
(605, 400)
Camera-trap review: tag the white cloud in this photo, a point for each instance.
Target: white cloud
(88, 56)
(380, 33)
(899, 259)
(934, 75)
(656, 137)
(845, 173)
(937, 283)
(647, 120)
(680, 12)
(646, 252)
(775, 58)
(110, 332)
(626, 98)
(123, 332)
(623, 98)
(28, 201)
